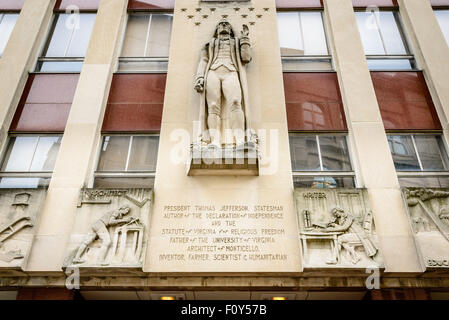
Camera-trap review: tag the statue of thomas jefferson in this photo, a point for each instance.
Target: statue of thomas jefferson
(221, 81)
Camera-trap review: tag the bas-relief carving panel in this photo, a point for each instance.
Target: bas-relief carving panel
(337, 229)
(110, 229)
(19, 209)
(428, 211)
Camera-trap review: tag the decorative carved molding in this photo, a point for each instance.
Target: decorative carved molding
(337, 229)
(110, 229)
(428, 212)
(20, 208)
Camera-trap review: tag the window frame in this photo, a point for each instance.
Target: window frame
(26, 174)
(124, 173)
(320, 58)
(422, 173)
(155, 60)
(409, 55)
(2, 13)
(46, 43)
(323, 173)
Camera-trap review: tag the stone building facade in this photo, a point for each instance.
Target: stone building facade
(338, 187)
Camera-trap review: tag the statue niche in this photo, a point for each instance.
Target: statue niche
(222, 83)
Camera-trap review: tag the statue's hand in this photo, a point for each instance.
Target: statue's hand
(199, 84)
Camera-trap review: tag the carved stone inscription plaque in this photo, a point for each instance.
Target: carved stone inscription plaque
(225, 237)
(428, 211)
(20, 209)
(337, 229)
(110, 229)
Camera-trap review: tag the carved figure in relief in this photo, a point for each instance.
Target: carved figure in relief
(352, 234)
(100, 230)
(8, 231)
(422, 198)
(221, 81)
(444, 214)
(21, 202)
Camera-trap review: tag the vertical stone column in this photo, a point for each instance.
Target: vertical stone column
(431, 52)
(19, 57)
(366, 132)
(81, 137)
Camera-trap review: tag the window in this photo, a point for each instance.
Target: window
(384, 41)
(321, 161)
(303, 41)
(127, 161)
(7, 23)
(67, 43)
(419, 159)
(29, 161)
(146, 43)
(443, 20)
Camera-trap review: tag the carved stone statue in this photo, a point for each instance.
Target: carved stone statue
(221, 81)
(100, 230)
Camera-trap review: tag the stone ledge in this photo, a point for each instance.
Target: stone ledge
(223, 162)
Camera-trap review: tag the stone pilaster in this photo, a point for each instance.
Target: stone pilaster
(370, 150)
(19, 57)
(81, 138)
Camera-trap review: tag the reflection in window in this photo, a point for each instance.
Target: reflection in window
(29, 161)
(313, 115)
(383, 40)
(303, 41)
(443, 20)
(7, 23)
(127, 161)
(147, 42)
(320, 161)
(418, 152)
(67, 43)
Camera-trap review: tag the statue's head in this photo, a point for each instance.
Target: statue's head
(224, 28)
(124, 210)
(338, 212)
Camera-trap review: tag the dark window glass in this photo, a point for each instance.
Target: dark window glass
(431, 152)
(403, 152)
(304, 153)
(418, 152)
(128, 153)
(334, 153)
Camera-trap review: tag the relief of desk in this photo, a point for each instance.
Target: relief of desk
(313, 235)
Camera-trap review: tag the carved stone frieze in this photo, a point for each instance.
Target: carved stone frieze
(337, 229)
(110, 229)
(20, 209)
(428, 211)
